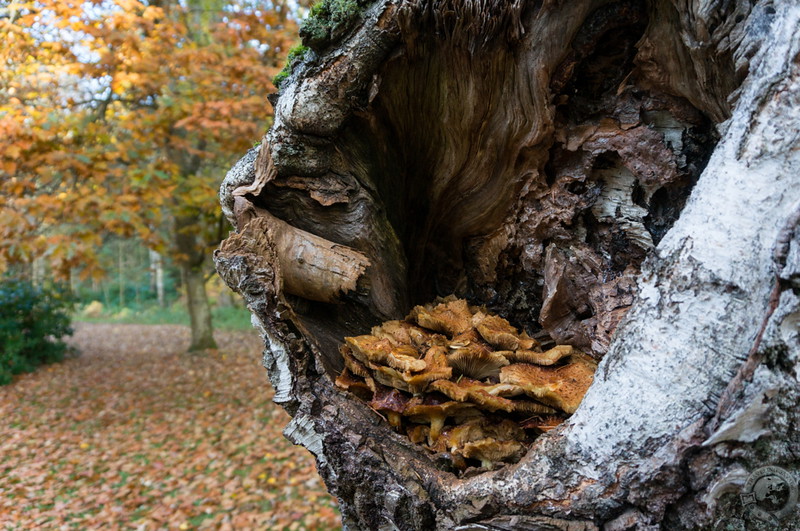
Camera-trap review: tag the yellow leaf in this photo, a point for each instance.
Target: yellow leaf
(13, 151)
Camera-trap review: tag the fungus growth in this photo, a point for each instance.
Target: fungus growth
(464, 384)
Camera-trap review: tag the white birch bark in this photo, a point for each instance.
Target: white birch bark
(157, 275)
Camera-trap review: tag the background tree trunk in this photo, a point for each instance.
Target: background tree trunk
(619, 176)
(121, 274)
(157, 275)
(192, 272)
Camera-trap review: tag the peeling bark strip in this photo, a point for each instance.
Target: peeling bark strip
(612, 175)
(310, 267)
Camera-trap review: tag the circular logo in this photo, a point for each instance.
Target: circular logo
(770, 494)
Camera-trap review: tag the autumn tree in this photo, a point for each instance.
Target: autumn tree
(620, 177)
(120, 117)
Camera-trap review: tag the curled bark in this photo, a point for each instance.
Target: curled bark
(310, 267)
(611, 175)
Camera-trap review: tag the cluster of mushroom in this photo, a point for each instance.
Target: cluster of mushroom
(464, 383)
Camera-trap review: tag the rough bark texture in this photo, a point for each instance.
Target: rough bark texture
(619, 176)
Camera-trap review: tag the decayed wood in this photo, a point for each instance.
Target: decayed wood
(536, 158)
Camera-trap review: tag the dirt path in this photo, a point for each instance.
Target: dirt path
(136, 434)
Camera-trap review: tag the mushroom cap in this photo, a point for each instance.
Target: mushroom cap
(405, 350)
(438, 404)
(505, 390)
(468, 339)
(491, 450)
(548, 357)
(394, 378)
(423, 412)
(453, 317)
(358, 386)
(497, 331)
(455, 437)
(370, 349)
(405, 333)
(415, 383)
(355, 366)
(436, 358)
(460, 440)
(486, 398)
(562, 387)
(418, 433)
(482, 427)
(526, 342)
(542, 423)
(468, 390)
(397, 332)
(532, 407)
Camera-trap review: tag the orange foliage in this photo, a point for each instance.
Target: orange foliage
(116, 116)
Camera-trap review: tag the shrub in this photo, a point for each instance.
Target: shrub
(32, 322)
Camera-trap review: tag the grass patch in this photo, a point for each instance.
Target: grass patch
(223, 317)
(231, 318)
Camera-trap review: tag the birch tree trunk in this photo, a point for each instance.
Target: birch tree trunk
(157, 275)
(620, 176)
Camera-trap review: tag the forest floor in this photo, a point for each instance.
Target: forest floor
(136, 434)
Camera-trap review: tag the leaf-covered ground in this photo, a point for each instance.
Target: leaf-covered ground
(137, 434)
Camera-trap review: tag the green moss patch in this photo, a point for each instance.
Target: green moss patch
(328, 20)
(296, 54)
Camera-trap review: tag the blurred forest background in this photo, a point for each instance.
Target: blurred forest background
(118, 121)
